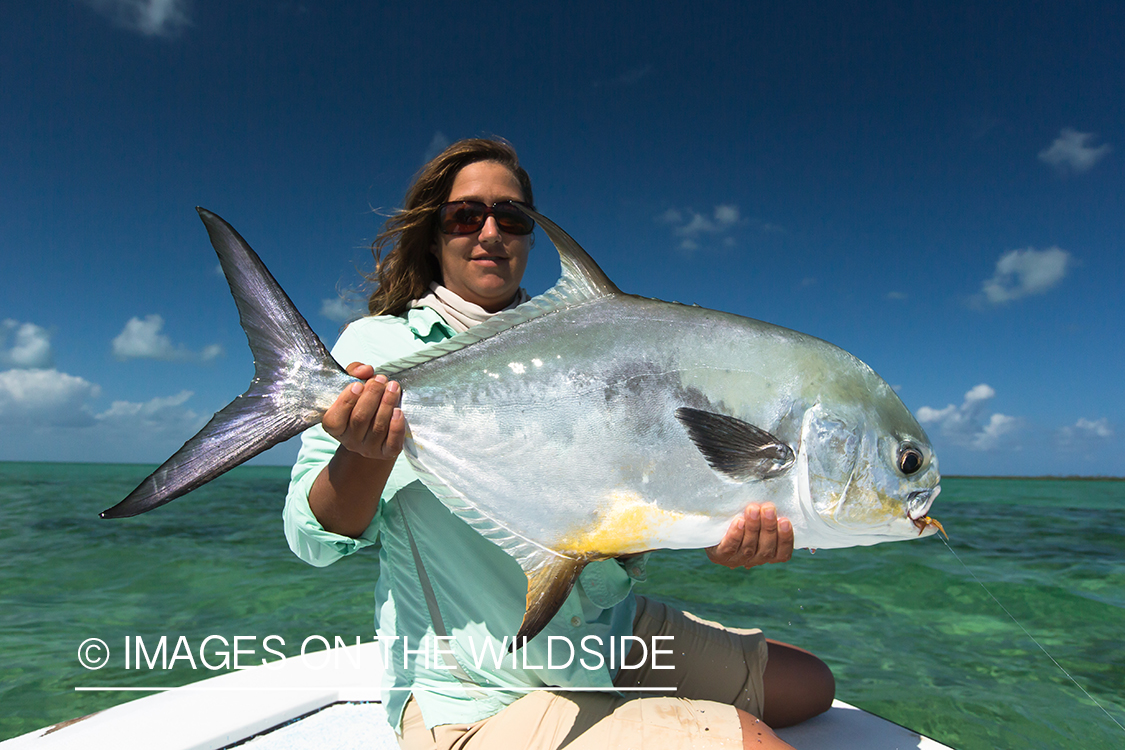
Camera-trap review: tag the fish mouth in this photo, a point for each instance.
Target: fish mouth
(918, 503)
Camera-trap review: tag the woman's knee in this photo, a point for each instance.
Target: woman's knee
(798, 685)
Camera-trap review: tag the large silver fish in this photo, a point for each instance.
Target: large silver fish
(588, 423)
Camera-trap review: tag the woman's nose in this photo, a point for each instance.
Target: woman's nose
(490, 232)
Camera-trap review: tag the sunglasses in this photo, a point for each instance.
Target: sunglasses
(467, 217)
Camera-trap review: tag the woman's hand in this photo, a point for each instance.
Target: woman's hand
(756, 538)
(369, 424)
(366, 418)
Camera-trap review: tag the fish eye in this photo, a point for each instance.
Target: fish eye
(910, 459)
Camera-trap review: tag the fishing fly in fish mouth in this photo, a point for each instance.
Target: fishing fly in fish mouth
(508, 449)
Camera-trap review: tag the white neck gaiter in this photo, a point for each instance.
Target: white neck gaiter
(459, 314)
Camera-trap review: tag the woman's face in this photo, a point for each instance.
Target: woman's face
(486, 267)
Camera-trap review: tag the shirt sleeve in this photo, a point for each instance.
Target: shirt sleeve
(369, 340)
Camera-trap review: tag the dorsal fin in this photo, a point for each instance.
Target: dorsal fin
(580, 274)
(581, 281)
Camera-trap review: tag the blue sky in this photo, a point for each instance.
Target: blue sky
(935, 187)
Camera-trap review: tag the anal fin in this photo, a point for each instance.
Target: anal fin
(548, 586)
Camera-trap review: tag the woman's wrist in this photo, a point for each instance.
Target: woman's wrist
(345, 496)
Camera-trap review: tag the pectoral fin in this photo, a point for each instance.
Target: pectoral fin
(738, 450)
(547, 588)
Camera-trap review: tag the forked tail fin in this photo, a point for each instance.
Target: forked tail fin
(295, 380)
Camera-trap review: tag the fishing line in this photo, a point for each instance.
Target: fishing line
(1029, 635)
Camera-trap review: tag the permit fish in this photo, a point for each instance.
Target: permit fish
(588, 423)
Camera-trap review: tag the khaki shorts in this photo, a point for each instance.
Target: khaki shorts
(716, 670)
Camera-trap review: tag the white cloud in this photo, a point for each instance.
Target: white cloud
(896, 295)
(30, 345)
(127, 410)
(47, 413)
(1021, 273)
(142, 339)
(723, 218)
(928, 414)
(146, 17)
(343, 309)
(42, 398)
(726, 215)
(158, 415)
(1084, 432)
(693, 227)
(967, 424)
(1070, 152)
(993, 433)
(981, 392)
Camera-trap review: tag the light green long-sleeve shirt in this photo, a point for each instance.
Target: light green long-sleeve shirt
(480, 589)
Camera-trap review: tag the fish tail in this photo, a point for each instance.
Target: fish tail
(295, 380)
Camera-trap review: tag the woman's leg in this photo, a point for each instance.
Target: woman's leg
(798, 685)
(757, 736)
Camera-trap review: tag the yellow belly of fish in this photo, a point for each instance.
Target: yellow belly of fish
(628, 524)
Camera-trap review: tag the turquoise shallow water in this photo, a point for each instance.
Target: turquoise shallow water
(907, 630)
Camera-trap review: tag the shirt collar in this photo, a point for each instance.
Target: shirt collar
(421, 321)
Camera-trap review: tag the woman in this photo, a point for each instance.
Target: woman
(445, 595)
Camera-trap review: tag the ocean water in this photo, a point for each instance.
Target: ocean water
(909, 632)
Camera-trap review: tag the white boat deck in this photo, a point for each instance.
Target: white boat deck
(342, 726)
(330, 700)
(349, 726)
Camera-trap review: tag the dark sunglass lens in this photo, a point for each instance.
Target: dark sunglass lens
(467, 217)
(512, 220)
(462, 218)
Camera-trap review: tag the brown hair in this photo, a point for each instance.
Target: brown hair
(408, 268)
